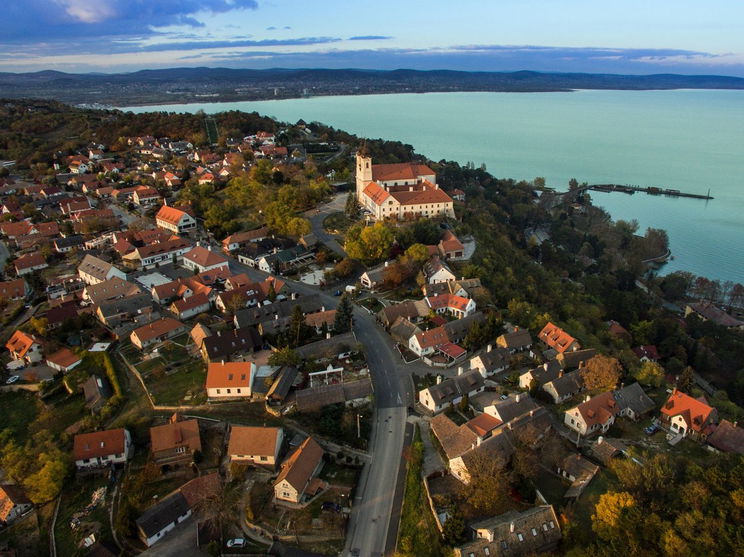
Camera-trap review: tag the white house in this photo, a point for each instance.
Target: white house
(230, 380)
(174, 220)
(93, 270)
(201, 259)
(451, 391)
(102, 448)
(255, 445)
(436, 271)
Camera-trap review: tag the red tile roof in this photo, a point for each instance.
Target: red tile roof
(598, 409)
(400, 171)
(228, 374)
(255, 441)
(204, 257)
(299, 468)
(483, 424)
(556, 338)
(20, 343)
(98, 444)
(170, 214)
(174, 435)
(426, 194)
(64, 358)
(156, 328)
(694, 411)
(29, 260)
(376, 193)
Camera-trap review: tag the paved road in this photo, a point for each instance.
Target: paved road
(180, 542)
(371, 524)
(316, 217)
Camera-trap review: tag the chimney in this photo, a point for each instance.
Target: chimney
(459, 370)
(511, 527)
(223, 362)
(516, 398)
(587, 398)
(322, 308)
(386, 263)
(599, 440)
(560, 373)
(489, 348)
(219, 333)
(439, 379)
(328, 335)
(410, 188)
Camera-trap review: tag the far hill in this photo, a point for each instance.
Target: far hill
(183, 85)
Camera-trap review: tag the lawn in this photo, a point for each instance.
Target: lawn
(581, 515)
(185, 386)
(61, 411)
(552, 488)
(17, 410)
(372, 304)
(337, 222)
(338, 474)
(152, 365)
(75, 499)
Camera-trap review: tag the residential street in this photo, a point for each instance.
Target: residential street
(316, 217)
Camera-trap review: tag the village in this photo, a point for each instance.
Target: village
(178, 377)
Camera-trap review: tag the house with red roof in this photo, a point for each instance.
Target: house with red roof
(295, 481)
(450, 247)
(201, 259)
(156, 331)
(102, 448)
(647, 353)
(145, 196)
(558, 339)
(29, 263)
(25, 347)
(175, 220)
(191, 306)
(688, 416)
(230, 380)
(400, 191)
(453, 305)
(14, 289)
(63, 360)
(595, 414)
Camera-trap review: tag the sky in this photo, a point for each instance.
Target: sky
(608, 36)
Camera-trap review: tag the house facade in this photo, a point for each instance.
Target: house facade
(174, 220)
(258, 446)
(102, 448)
(230, 380)
(293, 483)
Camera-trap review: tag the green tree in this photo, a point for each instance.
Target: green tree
(285, 357)
(686, 380)
(650, 373)
(344, 311)
(418, 253)
(352, 206)
(298, 330)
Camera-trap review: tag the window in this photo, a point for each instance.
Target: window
(504, 545)
(228, 391)
(552, 524)
(545, 526)
(237, 391)
(534, 532)
(263, 458)
(219, 391)
(520, 537)
(486, 551)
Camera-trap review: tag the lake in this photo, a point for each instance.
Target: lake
(690, 140)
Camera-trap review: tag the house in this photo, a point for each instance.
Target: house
(285, 259)
(175, 442)
(253, 316)
(174, 220)
(201, 259)
(321, 320)
(514, 533)
(102, 448)
(491, 361)
(685, 415)
(162, 517)
(633, 401)
(708, 312)
(24, 347)
(226, 344)
(647, 353)
(399, 191)
(191, 306)
(458, 194)
(68, 243)
(727, 437)
(156, 332)
(294, 481)
(575, 358)
(145, 196)
(14, 289)
(435, 271)
(283, 382)
(29, 263)
(13, 503)
(453, 305)
(451, 391)
(556, 338)
(564, 386)
(372, 278)
(258, 446)
(467, 288)
(514, 406)
(540, 375)
(450, 247)
(579, 471)
(236, 241)
(63, 360)
(152, 255)
(402, 330)
(412, 310)
(594, 414)
(230, 380)
(518, 340)
(110, 289)
(618, 331)
(129, 311)
(96, 391)
(94, 270)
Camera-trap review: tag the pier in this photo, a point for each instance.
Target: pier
(651, 190)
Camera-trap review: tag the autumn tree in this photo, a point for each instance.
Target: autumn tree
(601, 373)
(490, 482)
(686, 380)
(650, 373)
(352, 206)
(606, 519)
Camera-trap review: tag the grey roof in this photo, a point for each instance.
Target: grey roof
(506, 530)
(96, 391)
(160, 515)
(456, 330)
(727, 437)
(69, 241)
(520, 338)
(222, 345)
(128, 305)
(375, 274)
(318, 397)
(403, 329)
(549, 371)
(409, 309)
(327, 347)
(455, 387)
(514, 407)
(635, 398)
(253, 316)
(574, 358)
(283, 382)
(497, 358)
(94, 266)
(567, 384)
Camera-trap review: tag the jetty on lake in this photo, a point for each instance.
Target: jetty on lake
(651, 190)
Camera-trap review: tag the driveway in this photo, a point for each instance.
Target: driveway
(180, 542)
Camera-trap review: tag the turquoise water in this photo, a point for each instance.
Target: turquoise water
(689, 140)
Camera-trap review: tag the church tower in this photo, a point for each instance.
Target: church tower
(363, 171)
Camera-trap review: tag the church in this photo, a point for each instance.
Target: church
(400, 191)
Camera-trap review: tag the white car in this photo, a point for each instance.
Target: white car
(12, 379)
(236, 542)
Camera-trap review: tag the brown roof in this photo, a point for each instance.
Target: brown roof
(483, 424)
(204, 257)
(162, 247)
(728, 437)
(400, 171)
(246, 236)
(10, 496)
(63, 357)
(98, 443)
(174, 435)
(29, 260)
(156, 328)
(299, 468)
(229, 374)
(318, 318)
(376, 193)
(450, 243)
(455, 440)
(190, 303)
(257, 441)
(598, 409)
(200, 488)
(13, 288)
(428, 194)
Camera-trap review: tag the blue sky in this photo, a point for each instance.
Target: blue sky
(613, 36)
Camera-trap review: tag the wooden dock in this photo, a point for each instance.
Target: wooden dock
(651, 190)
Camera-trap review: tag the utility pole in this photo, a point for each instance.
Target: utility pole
(359, 429)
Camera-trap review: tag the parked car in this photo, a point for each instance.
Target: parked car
(12, 379)
(650, 430)
(236, 542)
(330, 506)
(337, 293)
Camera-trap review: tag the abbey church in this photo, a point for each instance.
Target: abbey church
(400, 191)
